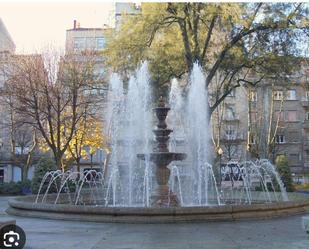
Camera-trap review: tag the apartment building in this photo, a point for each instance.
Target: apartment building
(84, 44)
(266, 121)
(123, 9)
(9, 171)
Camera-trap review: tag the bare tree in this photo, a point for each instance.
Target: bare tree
(21, 137)
(265, 124)
(51, 93)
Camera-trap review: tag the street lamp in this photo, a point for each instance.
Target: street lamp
(1, 144)
(220, 152)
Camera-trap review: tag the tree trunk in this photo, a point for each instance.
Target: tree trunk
(78, 164)
(106, 162)
(58, 161)
(24, 173)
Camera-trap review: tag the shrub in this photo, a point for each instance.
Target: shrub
(43, 166)
(14, 188)
(285, 172)
(303, 186)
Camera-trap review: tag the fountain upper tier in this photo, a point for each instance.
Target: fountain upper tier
(161, 155)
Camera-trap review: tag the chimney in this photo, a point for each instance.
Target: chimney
(74, 24)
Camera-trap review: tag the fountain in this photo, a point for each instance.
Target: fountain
(161, 157)
(153, 181)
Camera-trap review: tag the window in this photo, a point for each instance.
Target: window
(230, 113)
(21, 150)
(1, 175)
(291, 116)
(307, 96)
(294, 157)
(90, 43)
(307, 116)
(230, 134)
(252, 139)
(79, 43)
(280, 139)
(294, 136)
(291, 95)
(252, 96)
(278, 95)
(100, 43)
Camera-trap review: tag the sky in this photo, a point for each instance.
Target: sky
(36, 26)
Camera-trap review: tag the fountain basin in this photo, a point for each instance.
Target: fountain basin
(25, 206)
(162, 132)
(162, 158)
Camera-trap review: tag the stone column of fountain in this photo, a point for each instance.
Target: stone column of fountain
(161, 157)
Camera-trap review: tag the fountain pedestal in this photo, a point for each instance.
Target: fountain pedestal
(161, 157)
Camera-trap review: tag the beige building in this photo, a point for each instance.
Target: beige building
(80, 39)
(81, 43)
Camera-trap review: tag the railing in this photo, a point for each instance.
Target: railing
(235, 118)
(239, 136)
(306, 145)
(305, 102)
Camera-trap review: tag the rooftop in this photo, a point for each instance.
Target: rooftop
(77, 27)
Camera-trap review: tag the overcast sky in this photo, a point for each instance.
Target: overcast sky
(34, 26)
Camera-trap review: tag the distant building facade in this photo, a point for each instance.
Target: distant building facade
(123, 9)
(79, 39)
(269, 120)
(80, 43)
(9, 171)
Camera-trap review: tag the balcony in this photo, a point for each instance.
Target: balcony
(231, 119)
(306, 146)
(301, 169)
(233, 139)
(306, 124)
(305, 102)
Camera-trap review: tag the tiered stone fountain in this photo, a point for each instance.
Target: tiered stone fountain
(126, 188)
(161, 157)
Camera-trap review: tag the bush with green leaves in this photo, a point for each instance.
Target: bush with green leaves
(43, 166)
(284, 171)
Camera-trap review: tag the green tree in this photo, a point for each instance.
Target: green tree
(239, 43)
(284, 171)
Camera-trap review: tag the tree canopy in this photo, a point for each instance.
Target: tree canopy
(235, 43)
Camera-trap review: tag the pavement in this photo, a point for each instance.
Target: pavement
(283, 233)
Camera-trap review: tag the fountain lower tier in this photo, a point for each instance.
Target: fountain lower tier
(162, 195)
(162, 158)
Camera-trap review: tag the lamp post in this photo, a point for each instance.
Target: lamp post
(220, 152)
(1, 145)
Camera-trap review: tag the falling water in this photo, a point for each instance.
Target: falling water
(197, 121)
(128, 181)
(115, 110)
(132, 134)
